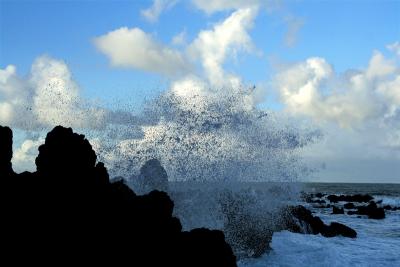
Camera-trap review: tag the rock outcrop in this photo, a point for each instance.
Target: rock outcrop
(336, 210)
(298, 219)
(68, 211)
(152, 177)
(5, 151)
(349, 205)
(371, 210)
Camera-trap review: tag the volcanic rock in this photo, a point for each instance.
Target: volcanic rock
(68, 211)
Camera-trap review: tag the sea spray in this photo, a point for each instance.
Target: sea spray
(230, 165)
(218, 136)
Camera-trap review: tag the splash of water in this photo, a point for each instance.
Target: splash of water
(214, 136)
(216, 147)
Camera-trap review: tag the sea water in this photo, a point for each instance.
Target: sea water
(377, 242)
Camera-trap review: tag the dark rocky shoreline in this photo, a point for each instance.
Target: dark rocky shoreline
(69, 209)
(357, 204)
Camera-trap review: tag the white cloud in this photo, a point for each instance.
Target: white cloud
(312, 88)
(391, 90)
(294, 24)
(379, 66)
(226, 39)
(152, 13)
(136, 49)
(47, 97)
(358, 113)
(24, 156)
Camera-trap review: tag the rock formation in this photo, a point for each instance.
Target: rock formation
(68, 211)
(298, 219)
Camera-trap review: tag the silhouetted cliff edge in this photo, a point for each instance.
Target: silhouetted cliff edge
(68, 211)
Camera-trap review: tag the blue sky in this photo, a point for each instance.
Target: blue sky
(344, 33)
(284, 37)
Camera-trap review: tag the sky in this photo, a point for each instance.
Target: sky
(332, 64)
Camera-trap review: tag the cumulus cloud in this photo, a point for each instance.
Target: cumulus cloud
(24, 156)
(133, 48)
(47, 97)
(137, 49)
(312, 88)
(294, 23)
(227, 38)
(152, 13)
(358, 112)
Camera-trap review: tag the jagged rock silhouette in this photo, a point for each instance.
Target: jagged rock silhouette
(6, 151)
(298, 219)
(68, 211)
(152, 177)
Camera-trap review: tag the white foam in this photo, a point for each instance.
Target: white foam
(377, 244)
(389, 200)
(290, 249)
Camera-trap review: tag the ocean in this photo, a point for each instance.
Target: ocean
(377, 242)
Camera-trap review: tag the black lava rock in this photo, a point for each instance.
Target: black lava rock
(349, 205)
(387, 207)
(336, 210)
(298, 219)
(152, 177)
(318, 201)
(5, 152)
(69, 211)
(335, 229)
(371, 210)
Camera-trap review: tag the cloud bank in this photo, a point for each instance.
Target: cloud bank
(47, 97)
(312, 88)
(358, 112)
